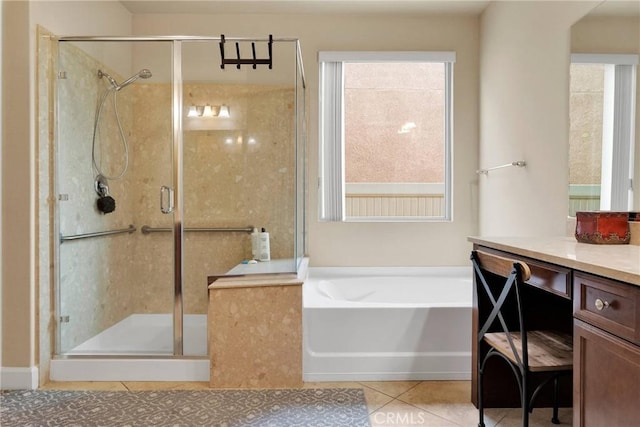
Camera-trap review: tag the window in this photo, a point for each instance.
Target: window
(602, 129)
(385, 136)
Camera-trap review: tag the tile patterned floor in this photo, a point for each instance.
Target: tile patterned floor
(390, 403)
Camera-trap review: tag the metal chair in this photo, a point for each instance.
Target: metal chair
(507, 337)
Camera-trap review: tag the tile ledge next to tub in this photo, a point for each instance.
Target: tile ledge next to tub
(260, 280)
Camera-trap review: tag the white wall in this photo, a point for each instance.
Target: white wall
(82, 18)
(370, 243)
(89, 18)
(524, 104)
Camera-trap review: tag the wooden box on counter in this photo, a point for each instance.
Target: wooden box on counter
(603, 227)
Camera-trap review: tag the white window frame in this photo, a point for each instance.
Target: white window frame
(331, 183)
(618, 133)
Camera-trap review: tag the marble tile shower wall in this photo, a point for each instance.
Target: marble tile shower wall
(225, 184)
(95, 288)
(106, 279)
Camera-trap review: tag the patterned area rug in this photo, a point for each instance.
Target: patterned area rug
(228, 408)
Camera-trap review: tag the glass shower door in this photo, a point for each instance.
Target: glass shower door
(239, 131)
(114, 179)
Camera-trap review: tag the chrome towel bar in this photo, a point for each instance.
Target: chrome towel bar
(147, 229)
(519, 163)
(131, 229)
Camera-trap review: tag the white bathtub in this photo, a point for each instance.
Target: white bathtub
(370, 324)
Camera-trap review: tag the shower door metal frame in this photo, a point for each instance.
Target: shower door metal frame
(178, 165)
(178, 230)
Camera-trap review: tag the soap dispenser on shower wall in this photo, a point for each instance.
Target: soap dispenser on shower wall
(264, 249)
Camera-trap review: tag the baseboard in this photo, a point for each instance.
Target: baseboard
(18, 378)
(386, 376)
(372, 366)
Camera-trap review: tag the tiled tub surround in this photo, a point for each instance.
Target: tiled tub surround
(255, 332)
(386, 323)
(104, 280)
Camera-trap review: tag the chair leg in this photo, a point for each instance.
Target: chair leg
(524, 401)
(556, 396)
(480, 400)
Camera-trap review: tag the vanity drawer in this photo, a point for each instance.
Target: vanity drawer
(610, 305)
(549, 277)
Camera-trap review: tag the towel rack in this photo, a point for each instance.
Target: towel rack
(253, 61)
(519, 163)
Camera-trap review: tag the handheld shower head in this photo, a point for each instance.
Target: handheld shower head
(113, 82)
(144, 73)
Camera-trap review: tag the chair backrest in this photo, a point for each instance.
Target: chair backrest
(513, 274)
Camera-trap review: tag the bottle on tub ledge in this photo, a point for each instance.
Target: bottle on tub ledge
(254, 243)
(264, 249)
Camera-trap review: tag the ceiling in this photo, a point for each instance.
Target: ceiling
(617, 8)
(305, 6)
(474, 7)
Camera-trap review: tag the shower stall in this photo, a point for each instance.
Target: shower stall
(168, 152)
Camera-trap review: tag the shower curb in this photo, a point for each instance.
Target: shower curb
(151, 369)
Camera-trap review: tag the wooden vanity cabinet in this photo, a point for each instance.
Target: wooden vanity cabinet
(606, 341)
(593, 290)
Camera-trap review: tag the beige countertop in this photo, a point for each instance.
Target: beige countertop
(619, 262)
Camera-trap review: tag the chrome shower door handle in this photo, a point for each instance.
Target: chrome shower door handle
(166, 199)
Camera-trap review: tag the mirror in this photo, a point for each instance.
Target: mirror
(601, 158)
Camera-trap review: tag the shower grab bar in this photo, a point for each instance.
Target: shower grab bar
(131, 229)
(145, 229)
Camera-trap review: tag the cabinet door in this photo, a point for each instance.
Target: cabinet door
(606, 379)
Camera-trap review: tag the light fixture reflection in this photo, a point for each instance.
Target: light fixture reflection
(193, 111)
(239, 139)
(223, 111)
(208, 111)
